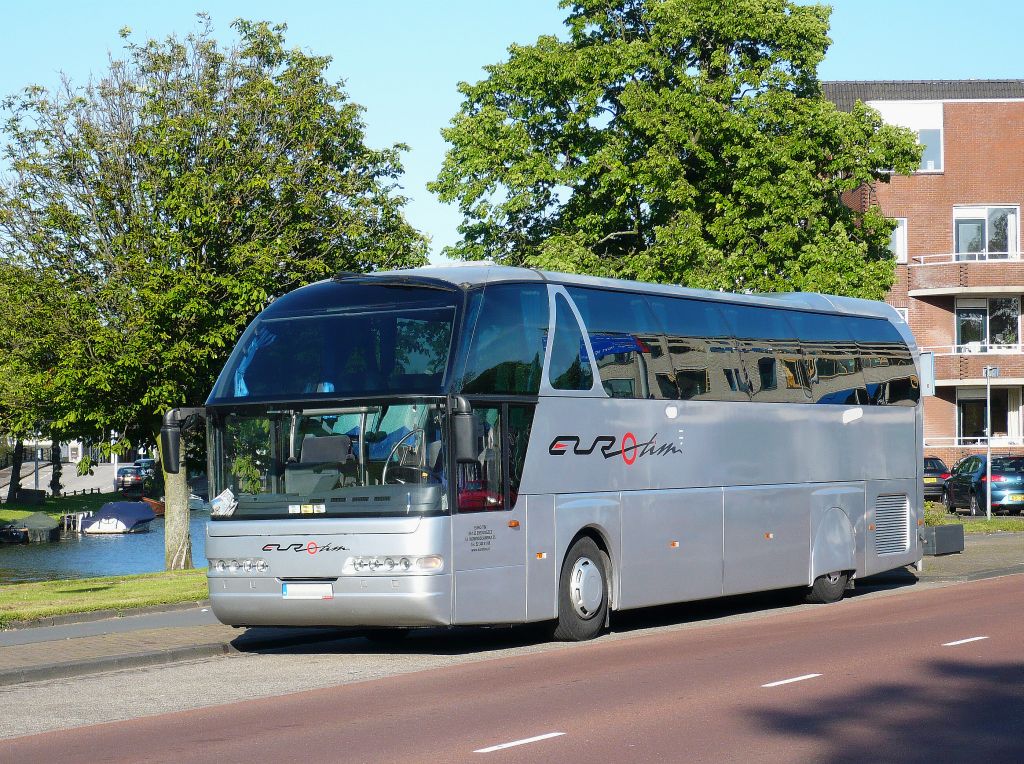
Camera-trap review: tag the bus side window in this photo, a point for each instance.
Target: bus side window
(479, 483)
(626, 341)
(570, 366)
(703, 360)
(834, 359)
(506, 348)
(519, 424)
(769, 352)
(888, 365)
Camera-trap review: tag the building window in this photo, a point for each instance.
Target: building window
(987, 325)
(931, 159)
(898, 240)
(904, 314)
(1006, 415)
(985, 233)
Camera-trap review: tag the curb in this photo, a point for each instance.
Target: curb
(162, 657)
(111, 663)
(103, 615)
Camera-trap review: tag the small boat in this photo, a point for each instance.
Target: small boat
(156, 505)
(120, 517)
(38, 526)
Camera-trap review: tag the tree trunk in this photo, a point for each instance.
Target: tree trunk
(16, 459)
(55, 485)
(177, 540)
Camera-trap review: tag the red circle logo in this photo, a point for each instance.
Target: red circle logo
(628, 459)
(311, 547)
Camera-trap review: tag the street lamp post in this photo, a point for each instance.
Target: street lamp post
(989, 372)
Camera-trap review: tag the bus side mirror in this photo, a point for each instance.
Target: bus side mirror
(170, 446)
(463, 431)
(174, 422)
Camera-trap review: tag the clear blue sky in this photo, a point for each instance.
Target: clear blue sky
(401, 59)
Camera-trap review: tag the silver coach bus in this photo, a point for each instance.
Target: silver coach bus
(489, 445)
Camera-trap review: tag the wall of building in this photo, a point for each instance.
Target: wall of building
(982, 164)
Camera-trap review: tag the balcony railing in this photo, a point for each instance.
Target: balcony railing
(998, 441)
(965, 257)
(973, 348)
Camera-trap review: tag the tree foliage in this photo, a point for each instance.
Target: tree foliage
(168, 202)
(683, 141)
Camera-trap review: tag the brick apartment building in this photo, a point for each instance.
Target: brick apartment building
(959, 274)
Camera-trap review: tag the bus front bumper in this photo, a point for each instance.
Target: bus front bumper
(346, 601)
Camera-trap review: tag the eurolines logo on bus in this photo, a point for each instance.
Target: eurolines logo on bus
(310, 547)
(628, 447)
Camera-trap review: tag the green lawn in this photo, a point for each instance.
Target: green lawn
(935, 514)
(57, 507)
(42, 599)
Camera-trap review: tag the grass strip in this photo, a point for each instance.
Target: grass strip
(56, 507)
(44, 599)
(936, 514)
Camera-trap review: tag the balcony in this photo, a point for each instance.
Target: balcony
(962, 364)
(965, 273)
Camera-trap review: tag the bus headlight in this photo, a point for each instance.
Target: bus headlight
(245, 565)
(390, 564)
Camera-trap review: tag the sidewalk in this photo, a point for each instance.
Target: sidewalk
(74, 646)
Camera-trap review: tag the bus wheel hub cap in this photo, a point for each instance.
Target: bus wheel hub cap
(586, 587)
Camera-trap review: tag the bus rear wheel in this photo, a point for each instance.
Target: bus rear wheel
(582, 593)
(827, 588)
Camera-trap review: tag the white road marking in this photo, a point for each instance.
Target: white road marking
(514, 743)
(963, 641)
(790, 681)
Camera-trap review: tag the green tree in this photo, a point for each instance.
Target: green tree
(683, 141)
(169, 201)
(32, 321)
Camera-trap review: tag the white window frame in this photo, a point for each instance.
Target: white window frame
(942, 151)
(980, 211)
(904, 314)
(899, 238)
(983, 303)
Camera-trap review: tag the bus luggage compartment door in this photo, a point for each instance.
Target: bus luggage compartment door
(489, 555)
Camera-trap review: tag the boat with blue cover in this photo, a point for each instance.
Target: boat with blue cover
(120, 517)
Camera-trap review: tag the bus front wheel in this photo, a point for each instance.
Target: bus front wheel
(827, 588)
(582, 593)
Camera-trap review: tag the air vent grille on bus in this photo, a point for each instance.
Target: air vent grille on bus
(892, 524)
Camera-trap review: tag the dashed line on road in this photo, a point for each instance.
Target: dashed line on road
(963, 641)
(524, 741)
(790, 681)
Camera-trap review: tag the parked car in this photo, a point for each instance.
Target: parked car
(129, 479)
(966, 485)
(147, 465)
(935, 475)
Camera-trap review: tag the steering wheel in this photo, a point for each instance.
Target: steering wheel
(394, 450)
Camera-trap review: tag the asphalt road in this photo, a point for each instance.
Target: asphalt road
(910, 676)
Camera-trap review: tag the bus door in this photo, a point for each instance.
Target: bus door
(488, 527)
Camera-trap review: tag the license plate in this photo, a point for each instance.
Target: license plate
(931, 480)
(1017, 497)
(290, 591)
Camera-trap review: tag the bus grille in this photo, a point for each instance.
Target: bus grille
(892, 524)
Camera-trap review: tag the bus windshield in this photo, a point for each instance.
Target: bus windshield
(382, 459)
(343, 340)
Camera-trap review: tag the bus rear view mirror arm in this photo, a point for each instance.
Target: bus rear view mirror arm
(174, 422)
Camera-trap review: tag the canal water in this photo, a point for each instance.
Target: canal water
(81, 556)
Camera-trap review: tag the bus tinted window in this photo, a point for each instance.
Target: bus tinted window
(770, 353)
(570, 367)
(363, 341)
(832, 363)
(703, 361)
(507, 343)
(626, 342)
(889, 373)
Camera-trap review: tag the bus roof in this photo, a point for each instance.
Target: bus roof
(469, 274)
